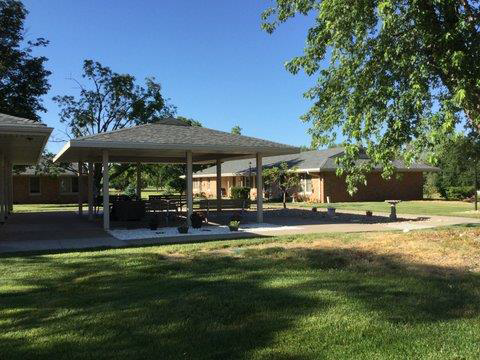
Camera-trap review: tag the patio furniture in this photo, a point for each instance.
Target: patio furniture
(160, 206)
(178, 200)
(227, 204)
(128, 210)
(393, 208)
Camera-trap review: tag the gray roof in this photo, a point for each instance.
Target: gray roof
(315, 160)
(167, 141)
(163, 133)
(9, 120)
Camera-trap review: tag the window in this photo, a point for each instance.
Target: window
(306, 183)
(34, 185)
(69, 185)
(196, 185)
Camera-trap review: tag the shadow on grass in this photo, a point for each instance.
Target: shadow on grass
(147, 305)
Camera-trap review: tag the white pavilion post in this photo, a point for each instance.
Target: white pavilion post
(90, 191)
(2, 188)
(189, 186)
(106, 188)
(139, 181)
(80, 188)
(219, 186)
(10, 187)
(5, 187)
(259, 189)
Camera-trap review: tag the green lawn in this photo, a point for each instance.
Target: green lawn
(295, 297)
(421, 207)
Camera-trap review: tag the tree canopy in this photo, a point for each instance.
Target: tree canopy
(458, 161)
(110, 101)
(23, 77)
(391, 73)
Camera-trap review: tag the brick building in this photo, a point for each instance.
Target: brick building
(31, 187)
(319, 181)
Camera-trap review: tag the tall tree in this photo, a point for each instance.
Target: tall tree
(236, 130)
(390, 73)
(110, 101)
(23, 77)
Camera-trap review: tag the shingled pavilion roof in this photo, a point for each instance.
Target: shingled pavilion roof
(166, 141)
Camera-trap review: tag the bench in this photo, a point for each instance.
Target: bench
(227, 204)
(173, 202)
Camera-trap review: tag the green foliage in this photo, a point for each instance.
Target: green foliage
(23, 77)
(236, 130)
(457, 158)
(390, 73)
(234, 224)
(430, 189)
(239, 192)
(131, 190)
(285, 178)
(460, 192)
(46, 166)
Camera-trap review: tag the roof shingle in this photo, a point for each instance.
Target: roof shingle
(159, 133)
(9, 120)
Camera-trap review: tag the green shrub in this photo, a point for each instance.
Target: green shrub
(130, 190)
(239, 192)
(460, 192)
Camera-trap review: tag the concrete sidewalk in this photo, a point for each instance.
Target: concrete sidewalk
(54, 231)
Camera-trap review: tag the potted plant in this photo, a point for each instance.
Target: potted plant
(314, 209)
(153, 223)
(197, 220)
(183, 229)
(236, 217)
(233, 225)
(331, 211)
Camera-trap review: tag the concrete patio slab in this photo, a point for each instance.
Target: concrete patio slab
(53, 231)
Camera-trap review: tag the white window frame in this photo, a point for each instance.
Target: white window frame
(70, 185)
(303, 184)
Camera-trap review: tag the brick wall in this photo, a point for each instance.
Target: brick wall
(408, 187)
(49, 191)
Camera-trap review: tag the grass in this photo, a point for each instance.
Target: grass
(343, 296)
(420, 207)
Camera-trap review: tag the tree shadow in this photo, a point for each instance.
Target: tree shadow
(143, 304)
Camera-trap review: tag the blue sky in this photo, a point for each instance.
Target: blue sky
(212, 58)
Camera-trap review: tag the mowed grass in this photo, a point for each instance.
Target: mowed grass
(343, 296)
(416, 207)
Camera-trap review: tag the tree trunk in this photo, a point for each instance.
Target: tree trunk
(476, 185)
(284, 199)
